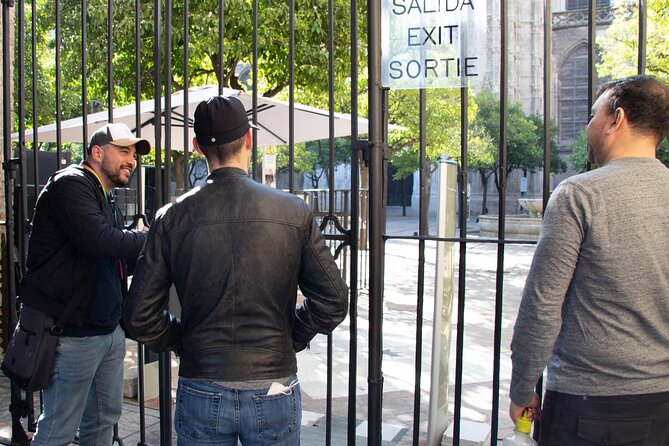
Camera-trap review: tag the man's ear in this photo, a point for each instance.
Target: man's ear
(196, 146)
(248, 139)
(96, 153)
(618, 117)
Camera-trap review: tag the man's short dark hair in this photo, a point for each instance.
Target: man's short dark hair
(223, 152)
(645, 101)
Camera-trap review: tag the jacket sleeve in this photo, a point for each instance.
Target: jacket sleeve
(145, 310)
(76, 208)
(325, 292)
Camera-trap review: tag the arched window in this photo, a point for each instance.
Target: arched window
(573, 95)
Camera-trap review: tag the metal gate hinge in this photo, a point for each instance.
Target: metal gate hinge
(11, 165)
(362, 145)
(365, 146)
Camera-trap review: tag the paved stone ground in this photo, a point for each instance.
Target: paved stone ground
(399, 325)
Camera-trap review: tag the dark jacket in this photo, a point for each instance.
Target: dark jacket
(236, 251)
(75, 243)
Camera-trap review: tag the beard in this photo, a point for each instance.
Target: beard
(117, 174)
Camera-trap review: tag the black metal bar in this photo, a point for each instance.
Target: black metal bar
(643, 18)
(592, 54)
(331, 99)
(18, 433)
(331, 201)
(420, 288)
(221, 45)
(59, 113)
(376, 225)
(291, 97)
(140, 174)
(255, 172)
(84, 81)
(186, 110)
(165, 358)
(157, 112)
(547, 149)
(140, 395)
(23, 219)
(110, 55)
(354, 234)
(167, 112)
(499, 276)
(548, 45)
(35, 77)
(462, 268)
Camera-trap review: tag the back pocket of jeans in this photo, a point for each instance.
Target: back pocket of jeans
(196, 415)
(602, 431)
(276, 415)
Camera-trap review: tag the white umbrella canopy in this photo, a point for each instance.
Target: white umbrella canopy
(310, 123)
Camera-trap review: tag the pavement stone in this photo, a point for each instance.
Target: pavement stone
(399, 325)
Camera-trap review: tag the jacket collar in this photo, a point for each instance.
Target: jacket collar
(227, 172)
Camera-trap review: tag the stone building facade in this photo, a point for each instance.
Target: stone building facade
(569, 81)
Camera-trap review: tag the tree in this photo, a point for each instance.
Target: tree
(579, 153)
(620, 45)
(311, 49)
(525, 141)
(557, 164)
(443, 129)
(313, 158)
(482, 159)
(204, 60)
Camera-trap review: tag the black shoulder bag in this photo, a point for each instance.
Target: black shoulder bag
(28, 360)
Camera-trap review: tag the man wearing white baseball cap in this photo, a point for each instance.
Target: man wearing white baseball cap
(78, 250)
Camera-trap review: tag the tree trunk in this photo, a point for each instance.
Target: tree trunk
(484, 201)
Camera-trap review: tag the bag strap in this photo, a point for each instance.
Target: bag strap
(67, 313)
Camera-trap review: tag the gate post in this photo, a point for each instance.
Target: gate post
(376, 224)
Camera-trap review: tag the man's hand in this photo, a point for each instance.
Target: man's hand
(532, 408)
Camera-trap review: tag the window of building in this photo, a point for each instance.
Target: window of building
(573, 96)
(583, 4)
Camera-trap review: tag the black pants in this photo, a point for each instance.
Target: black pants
(630, 420)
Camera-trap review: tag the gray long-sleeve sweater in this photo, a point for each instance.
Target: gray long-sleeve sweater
(595, 307)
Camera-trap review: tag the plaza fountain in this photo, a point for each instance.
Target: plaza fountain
(516, 226)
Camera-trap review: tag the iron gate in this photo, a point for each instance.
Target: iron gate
(359, 242)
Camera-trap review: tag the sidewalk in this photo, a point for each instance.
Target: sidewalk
(399, 327)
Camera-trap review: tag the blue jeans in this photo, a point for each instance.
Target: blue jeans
(85, 391)
(207, 414)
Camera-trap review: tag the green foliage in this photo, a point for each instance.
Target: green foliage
(204, 60)
(442, 126)
(662, 152)
(579, 155)
(578, 159)
(619, 47)
(524, 149)
(557, 164)
(313, 158)
(311, 49)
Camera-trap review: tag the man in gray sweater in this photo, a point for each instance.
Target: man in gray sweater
(595, 308)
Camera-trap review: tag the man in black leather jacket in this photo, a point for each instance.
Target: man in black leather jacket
(236, 252)
(77, 251)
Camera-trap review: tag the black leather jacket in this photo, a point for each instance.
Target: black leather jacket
(236, 251)
(73, 228)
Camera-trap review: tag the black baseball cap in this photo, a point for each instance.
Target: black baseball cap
(220, 120)
(120, 135)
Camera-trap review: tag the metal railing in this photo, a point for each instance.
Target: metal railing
(361, 250)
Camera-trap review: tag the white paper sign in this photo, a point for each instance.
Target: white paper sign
(433, 43)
